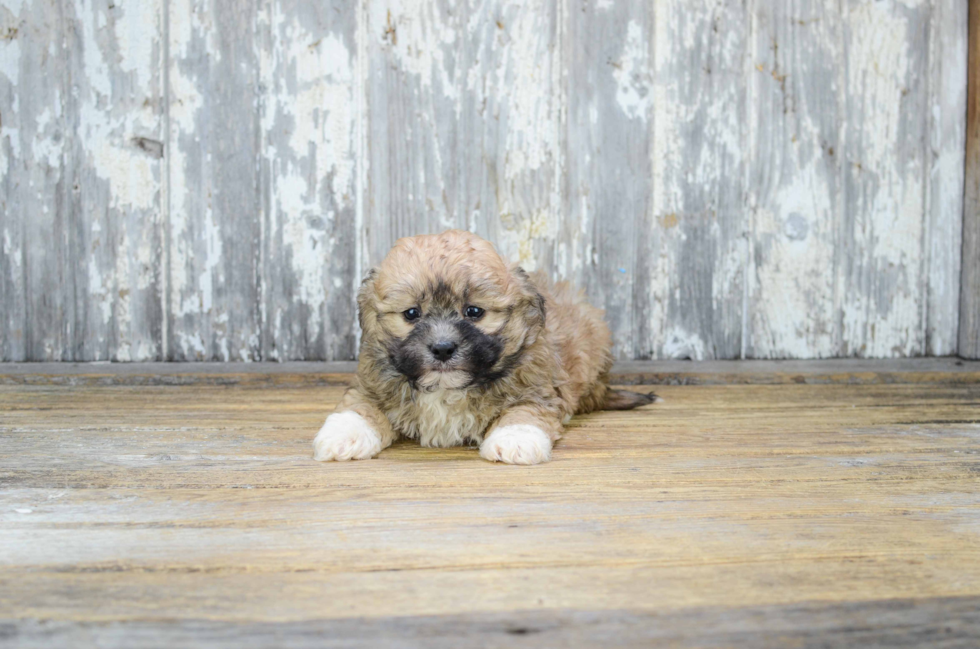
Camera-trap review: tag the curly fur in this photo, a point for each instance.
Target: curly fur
(537, 355)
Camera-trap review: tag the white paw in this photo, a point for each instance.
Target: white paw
(346, 436)
(517, 444)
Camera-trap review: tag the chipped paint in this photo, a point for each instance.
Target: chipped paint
(948, 40)
(520, 232)
(882, 309)
(115, 53)
(418, 36)
(312, 104)
(10, 64)
(683, 345)
(632, 74)
(723, 178)
(308, 123)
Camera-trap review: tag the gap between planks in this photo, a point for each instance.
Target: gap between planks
(755, 372)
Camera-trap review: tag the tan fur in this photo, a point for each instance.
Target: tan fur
(563, 367)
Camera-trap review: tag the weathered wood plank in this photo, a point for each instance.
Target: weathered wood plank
(607, 72)
(14, 178)
(752, 372)
(969, 332)
(200, 505)
(115, 61)
(412, 129)
(948, 51)
(511, 105)
(694, 279)
(946, 622)
(463, 129)
(35, 274)
(309, 241)
(793, 182)
(882, 270)
(213, 239)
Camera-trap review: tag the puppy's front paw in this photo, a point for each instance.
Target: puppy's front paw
(346, 436)
(517, 444)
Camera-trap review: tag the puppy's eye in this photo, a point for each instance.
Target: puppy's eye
(412, 314)
(473, 312)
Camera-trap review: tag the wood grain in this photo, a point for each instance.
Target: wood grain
(412, 128)
(462, 124)
(695, 281)
(608, 179)
(969, 332)
(882, 269)
(308, 57)
(295, 374)
(944, 622)
(207, 180)
(948, 55)
(794, 189)
(116, 148)
(214, 223)
(36, 275)
(181, 510)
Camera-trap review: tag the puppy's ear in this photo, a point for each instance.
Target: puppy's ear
(532, 303)
(367, 315)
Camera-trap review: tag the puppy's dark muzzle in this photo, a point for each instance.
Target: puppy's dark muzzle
(443, 350)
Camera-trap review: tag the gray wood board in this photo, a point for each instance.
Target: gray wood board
(308, 60)
(603, 243)
(794, 192)
(214, 224)
(969, 332)
(760, 372)
(948, 622)
(35, 268)
(115, 159)
(948, 54)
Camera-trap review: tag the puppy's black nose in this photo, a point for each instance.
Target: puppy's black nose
(443, 350)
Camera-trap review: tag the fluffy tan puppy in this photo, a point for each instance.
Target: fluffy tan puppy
(459, 348)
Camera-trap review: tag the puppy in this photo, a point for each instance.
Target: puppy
(459, 348)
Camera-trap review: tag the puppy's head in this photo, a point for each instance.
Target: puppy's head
(445, 311)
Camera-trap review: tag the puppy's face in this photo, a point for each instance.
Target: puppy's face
(444, 311)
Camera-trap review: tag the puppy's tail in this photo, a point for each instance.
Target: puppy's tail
(627, 400)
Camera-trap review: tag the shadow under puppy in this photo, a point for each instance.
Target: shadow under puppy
(459, 348)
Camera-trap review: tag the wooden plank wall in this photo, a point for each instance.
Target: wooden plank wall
(969, 345)
(209, 179)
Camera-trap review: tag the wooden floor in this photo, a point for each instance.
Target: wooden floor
(803, 505)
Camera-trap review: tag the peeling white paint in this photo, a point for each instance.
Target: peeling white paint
(14, 6)
(97, 291)
(681, 344)
(137, 40)
(632, 73)
(107, 131)
(190, 293)
(520, 81)
(773, 238)
(520, 231)
(9, 50)
(308, 123)
(418, 37)
(8, 246)
(883, 317)
(948, 38)
(48, 149)
(878, 68)
(524, 70)
(184, 105)
(192, 345)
